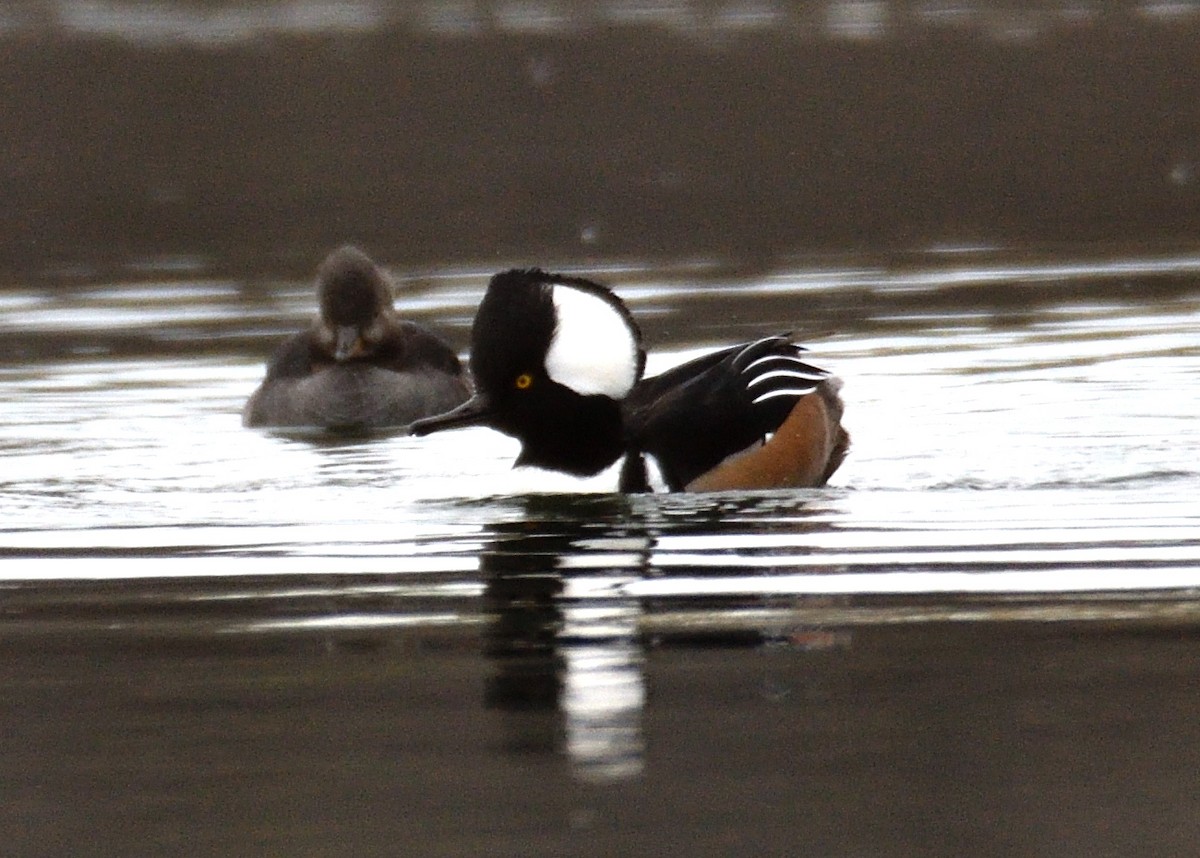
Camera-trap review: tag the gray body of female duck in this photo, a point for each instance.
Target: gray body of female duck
(359, 366)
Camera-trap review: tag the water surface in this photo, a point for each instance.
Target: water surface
(980, 638)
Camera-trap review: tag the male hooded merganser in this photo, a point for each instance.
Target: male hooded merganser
(558, 364)
(359, 366)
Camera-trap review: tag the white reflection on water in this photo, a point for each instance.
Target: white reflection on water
(603, 686)
(1101, 575)
(1040, 440)
(349, 622)
(1078, 401)
(121, 306)
(884, 279)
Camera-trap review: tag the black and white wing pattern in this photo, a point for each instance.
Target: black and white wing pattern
(772, 368)
(696, 415)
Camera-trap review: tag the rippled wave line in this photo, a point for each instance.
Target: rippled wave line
(1042, 581)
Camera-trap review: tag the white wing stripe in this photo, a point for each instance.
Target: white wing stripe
(784, 373)
(789, 392)
(765, 358)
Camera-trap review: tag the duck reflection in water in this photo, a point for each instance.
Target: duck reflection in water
(564, 643)
(568, 634)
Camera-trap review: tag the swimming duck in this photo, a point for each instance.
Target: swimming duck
(558, 364)
(359, 366)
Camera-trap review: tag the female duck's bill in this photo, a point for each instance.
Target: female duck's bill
(558, 364)
(358, 366)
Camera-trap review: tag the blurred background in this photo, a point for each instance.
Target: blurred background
(257, 135)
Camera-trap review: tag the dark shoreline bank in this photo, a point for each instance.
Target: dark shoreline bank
(628, 142)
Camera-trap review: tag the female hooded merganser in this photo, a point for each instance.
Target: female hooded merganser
(359, 366)
(558, 364)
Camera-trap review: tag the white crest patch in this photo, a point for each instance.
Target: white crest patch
(593, 349)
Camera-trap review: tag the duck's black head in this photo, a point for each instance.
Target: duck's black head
(356, 304)
(552, 357)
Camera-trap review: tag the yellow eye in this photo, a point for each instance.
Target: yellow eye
(523, 381)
